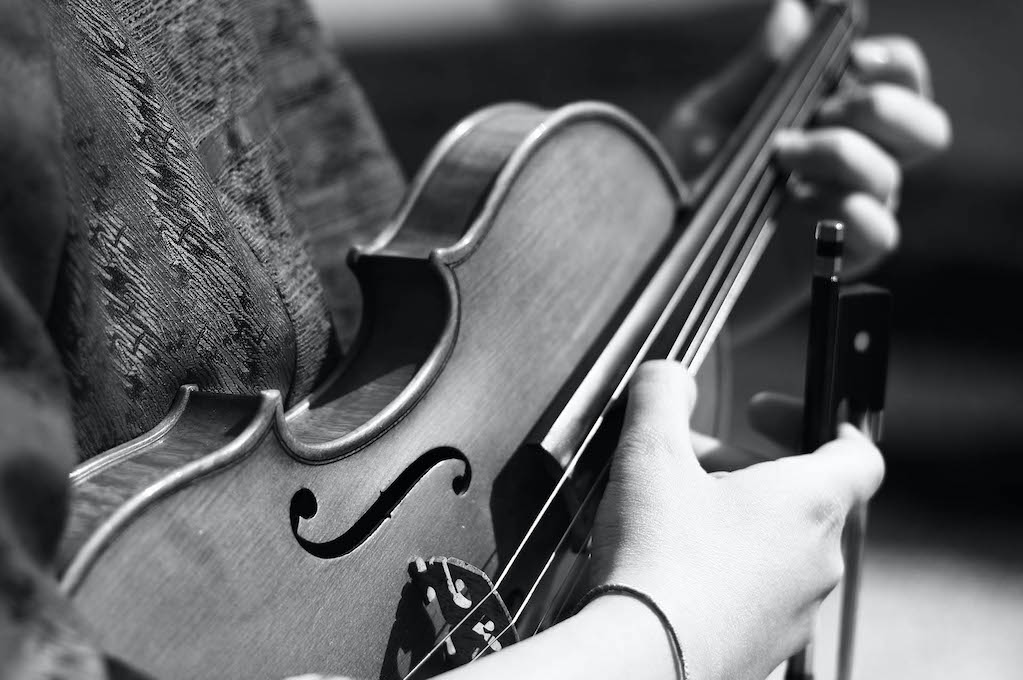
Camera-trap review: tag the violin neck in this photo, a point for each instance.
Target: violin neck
(725, 224)
(736, 199)
(724, 227)
(788, 100)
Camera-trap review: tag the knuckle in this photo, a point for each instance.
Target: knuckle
(884, 103)
(844, 145)
(873, 106)
(646, 441)
(892, 177)
(803, 632)
(666, 380)
(807, 631)
(657, 373)
(874, 101)
(889, 235)
(827, 512)
(875, 225)
(943, 131)
(874, 463)
(896, 176)
(835, 570)
(908, 51)
(651, 370)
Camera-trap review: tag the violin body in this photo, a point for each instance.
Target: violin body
(538, 259)
(239, 540)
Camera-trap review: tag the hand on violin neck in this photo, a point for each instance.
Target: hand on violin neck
(848, 166)
(701, 121)
(739, 561)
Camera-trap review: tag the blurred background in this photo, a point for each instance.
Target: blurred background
(943, 593)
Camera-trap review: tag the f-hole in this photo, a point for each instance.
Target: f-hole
(304, 504)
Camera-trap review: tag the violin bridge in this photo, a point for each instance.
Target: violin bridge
(477, 620)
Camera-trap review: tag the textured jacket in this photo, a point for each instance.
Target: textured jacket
(179, 183)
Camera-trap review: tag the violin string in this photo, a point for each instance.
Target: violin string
(716, 308)
(560, 593)
(590, 494)
(569, 586)
(692, 362)
(565, 476)
(564, 536)
(746, 250)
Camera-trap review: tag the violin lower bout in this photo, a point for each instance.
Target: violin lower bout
(286, 548)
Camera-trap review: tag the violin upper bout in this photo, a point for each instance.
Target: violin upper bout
(514, 206)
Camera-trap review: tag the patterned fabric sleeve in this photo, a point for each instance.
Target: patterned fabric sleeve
(164, 169)
(39, 635)
(220, 162)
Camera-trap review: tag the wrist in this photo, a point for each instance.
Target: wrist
(682, 624)
(637, 631)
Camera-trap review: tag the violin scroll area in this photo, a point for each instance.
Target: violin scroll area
(305, 506)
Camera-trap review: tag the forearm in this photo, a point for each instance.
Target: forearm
(615, 636)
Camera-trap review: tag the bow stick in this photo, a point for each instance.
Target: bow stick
(819, 401)
(847, 362)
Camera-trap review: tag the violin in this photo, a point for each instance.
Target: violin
(430, 503)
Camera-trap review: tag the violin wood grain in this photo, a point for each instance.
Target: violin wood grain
(538, 258)
(196, 425)
(518, 248)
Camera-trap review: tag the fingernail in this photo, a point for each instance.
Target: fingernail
(869, 56)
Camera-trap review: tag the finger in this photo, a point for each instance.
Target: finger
(726, 97)
(717, 458)
(872, 232)
(701, 122)
(893, 59)
(779, 417)
(906, 124)
(661, 399)
(784, 30)
(839, 157)
(848, 469)
(787, 26)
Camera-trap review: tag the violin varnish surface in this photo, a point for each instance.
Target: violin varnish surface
(287, 550)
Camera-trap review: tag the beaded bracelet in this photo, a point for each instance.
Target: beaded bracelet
(681, 668)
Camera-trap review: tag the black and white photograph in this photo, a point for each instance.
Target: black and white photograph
(511, 339)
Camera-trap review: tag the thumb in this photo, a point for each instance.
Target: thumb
(701, 122)
(786, 27)
(848, 469)
(661, 399)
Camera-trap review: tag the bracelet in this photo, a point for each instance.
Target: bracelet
(681, 668)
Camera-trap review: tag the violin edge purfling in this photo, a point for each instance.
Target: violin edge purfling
(482, 330)
(168, 545)
(444, 193)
